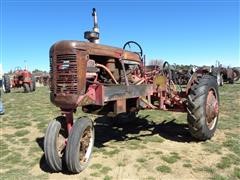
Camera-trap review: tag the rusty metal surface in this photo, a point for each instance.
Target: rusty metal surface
(84, 73)
(120, 106)
(211, 109)
(112, 93)
(65, 47)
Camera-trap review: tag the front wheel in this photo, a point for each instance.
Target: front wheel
(80, 145)
(6, 84)
(55, 143)
(203, 105)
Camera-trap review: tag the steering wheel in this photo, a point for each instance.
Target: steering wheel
(140, 53)
(18, 68)
(167, 69)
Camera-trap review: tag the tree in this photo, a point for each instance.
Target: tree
(156, 62)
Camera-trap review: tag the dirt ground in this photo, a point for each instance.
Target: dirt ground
(155, 146)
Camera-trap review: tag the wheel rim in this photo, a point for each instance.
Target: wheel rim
(60, 144)
(218, 79)
(86, 143)
(211, 109)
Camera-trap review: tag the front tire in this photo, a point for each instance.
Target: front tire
(203, 105)
(80, 145)
(6, 84)
(54, 143)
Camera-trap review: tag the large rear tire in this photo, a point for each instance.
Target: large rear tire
(55, 143)
(203, 104)
(33, 84)
(26, 87)
(236, 74)
(80, 145)
(6, 84)
(221, 80)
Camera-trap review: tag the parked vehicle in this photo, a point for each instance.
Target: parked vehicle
(109, 80)
(21, 78)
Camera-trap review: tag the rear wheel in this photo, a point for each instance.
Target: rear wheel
(26, 87)
(203, 104)
(80, 145)
(54, 143)
(221, 80)
(236, 74)
(33, 84)
(6, 84)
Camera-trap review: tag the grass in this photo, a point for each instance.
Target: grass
(111, 153)
(233, 144)
(121, 164)
(207, 169)
(164, 169)
(236, 172)
(24, 140)
(228, 161)
(21, 133)
(95, 174)
(172, 158)
(149, 144)
(187, 165)
(141, 160)
(150, 178)
(108, 178)
(153, 138)
(212, 147)
(102, 169)
(218, 177)
(105, 170)
(135, 144)
(96, 166)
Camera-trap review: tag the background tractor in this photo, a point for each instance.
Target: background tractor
(115, 82)
(20, 78)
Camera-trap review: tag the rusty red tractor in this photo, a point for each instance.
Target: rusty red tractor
(114, 81)
(20, 78)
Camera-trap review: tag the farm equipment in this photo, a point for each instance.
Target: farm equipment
(230, 75)
(1, 85)
(20, 78)
(114, 81)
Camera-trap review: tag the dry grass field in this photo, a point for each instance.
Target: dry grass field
(156, 146)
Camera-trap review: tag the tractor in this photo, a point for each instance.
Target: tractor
(230, 75)
(20, 78)
(115, 82)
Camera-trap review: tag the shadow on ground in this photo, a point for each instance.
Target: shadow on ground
(43, 164)
(107, 129)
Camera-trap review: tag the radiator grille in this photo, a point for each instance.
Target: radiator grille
(66, 74)
(51, 74)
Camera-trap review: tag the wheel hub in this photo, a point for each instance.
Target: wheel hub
(61, 144)
(84, 145)
(211, 109)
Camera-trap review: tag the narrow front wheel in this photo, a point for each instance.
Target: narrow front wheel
(55, 143)
(80, 145)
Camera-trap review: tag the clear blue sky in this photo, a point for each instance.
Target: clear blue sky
(182, 32)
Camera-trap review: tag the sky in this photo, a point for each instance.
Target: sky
(181, 32)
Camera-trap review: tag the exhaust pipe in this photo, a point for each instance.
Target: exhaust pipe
(93, 36)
